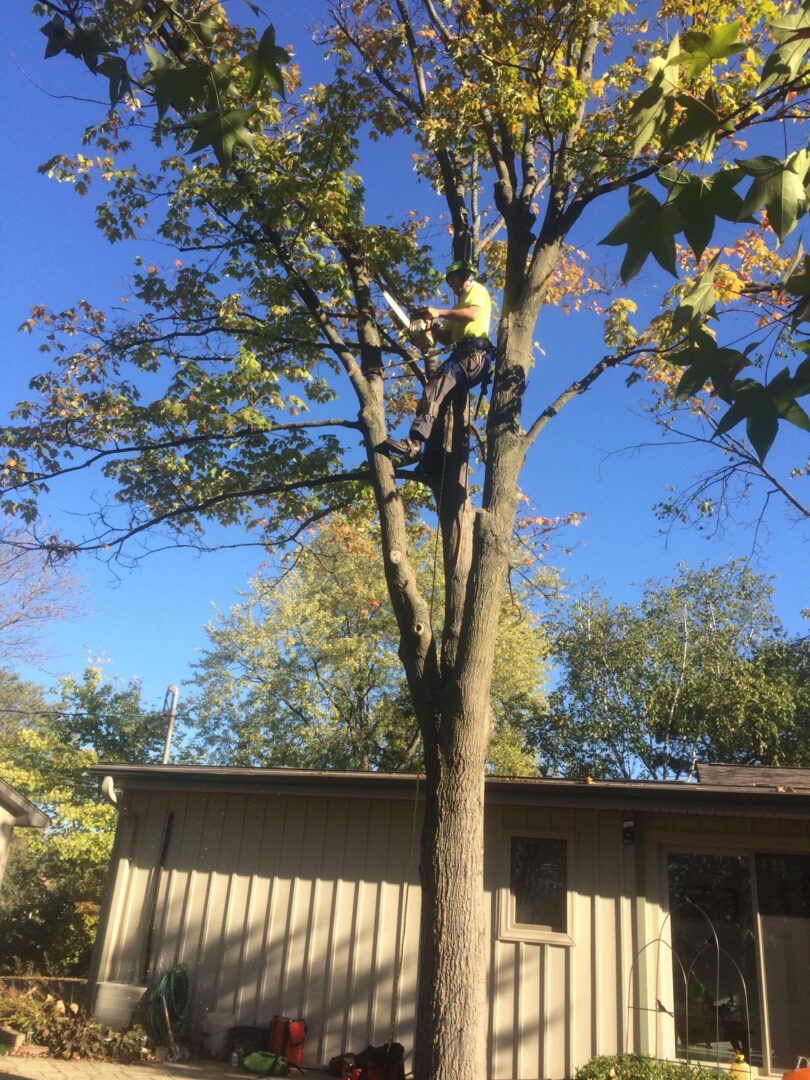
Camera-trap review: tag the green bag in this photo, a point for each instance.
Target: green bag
(263, 1063)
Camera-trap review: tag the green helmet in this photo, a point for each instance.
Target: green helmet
(460, 266)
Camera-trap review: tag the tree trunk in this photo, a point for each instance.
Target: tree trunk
(451, 1026)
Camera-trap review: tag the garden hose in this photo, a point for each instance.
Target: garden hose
(173, 990)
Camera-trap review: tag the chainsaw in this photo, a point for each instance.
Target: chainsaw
(417, 329)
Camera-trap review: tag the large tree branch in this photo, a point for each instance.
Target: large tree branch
(578, 387)
(455, 195)
(439, 25)
(557, 221)
(506, 183)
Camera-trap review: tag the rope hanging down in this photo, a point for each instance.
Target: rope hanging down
(401, 943)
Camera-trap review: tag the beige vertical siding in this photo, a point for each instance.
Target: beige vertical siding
(553, 1006)
(297, 905)
(276, 904)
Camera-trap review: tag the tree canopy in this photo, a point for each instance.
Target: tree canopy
(192, 407)
(699, 671)
(303, 671)
(51, 895)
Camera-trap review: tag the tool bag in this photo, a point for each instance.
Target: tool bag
(263, 1063)
(385, 1062)
(287, 1038)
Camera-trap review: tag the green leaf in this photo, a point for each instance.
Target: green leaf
(779, 186)
(649, 228)
(88, 45)
(785, 61)
(796, 415)
(699, 120)
(699, 49)
(700, 199)
(265, 63)
(178, 87)
(706, 363)
(57, 36)
(115, 69)
(762, 407)
(222, 132)
(698, 304)
(653, 107)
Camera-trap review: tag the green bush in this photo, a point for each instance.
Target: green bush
(67, 1030)
(638, 1067)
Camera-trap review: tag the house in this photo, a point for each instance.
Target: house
(668, 918)
(15, 812)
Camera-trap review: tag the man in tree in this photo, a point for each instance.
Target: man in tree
(467, 330)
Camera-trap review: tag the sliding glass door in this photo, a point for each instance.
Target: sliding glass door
(741, 922)
(783, 894)
(716, 989)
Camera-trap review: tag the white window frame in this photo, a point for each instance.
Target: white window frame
(508, 928)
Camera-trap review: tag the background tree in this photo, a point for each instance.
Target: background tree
(699, 671)
(192, 407)
(51, 895)
(304, 671)
(33, 592)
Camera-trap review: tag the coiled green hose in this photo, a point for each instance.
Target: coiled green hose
(173, 988)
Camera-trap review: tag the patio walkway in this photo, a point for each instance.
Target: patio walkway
(54, 1069)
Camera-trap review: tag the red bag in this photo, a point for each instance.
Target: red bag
(287, 1038)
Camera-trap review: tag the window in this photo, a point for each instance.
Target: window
(536, 905)
(758, 905)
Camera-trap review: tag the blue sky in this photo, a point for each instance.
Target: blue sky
(148, 622)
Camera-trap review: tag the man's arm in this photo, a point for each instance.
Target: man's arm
(463, 314)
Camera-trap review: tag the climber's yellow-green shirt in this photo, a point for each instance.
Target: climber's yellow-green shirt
(473, 294)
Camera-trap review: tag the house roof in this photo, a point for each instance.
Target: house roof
(743, 777)
(23, 811)
(715, 793)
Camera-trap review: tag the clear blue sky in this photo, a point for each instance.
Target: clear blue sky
(149, 622)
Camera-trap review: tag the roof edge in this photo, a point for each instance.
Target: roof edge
(668, 796)
(26, 814)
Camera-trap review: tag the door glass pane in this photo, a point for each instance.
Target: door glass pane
(711, 894)
(538, 883)
(783, 888)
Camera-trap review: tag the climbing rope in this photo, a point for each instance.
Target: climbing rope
(173, 989)
(401, 943)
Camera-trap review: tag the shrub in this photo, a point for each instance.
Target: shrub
(638, 1067)
(67, 1030)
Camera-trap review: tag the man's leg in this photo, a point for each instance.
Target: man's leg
(450, 374)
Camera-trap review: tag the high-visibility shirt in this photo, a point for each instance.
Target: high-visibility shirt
(472, 294)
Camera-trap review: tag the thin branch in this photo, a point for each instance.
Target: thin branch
(439, 24)
(413, 49)
(168, 444)
(58, 549)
